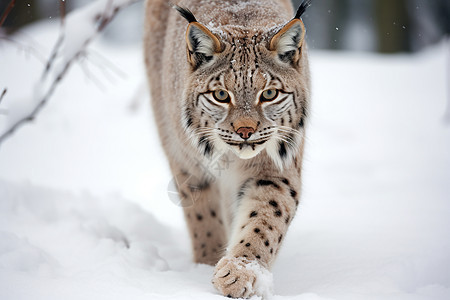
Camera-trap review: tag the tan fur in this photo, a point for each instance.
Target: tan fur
(237, 211)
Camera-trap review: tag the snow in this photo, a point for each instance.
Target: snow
(79, 29)
(264, 280)
(85, 214)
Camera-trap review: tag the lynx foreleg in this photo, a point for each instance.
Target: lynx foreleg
(265, 212)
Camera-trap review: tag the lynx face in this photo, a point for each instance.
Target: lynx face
(246, 91)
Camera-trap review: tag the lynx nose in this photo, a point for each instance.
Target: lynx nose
(245, 132)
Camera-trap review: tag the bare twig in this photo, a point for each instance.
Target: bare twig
(59, 42)
(53, 55)
(30, 117)
(3, 94)
(107, 68)
(108, 64)
(103, 20)
(90, 75)
(447, 109)
(7, 11)
(62, 12)
(27, 49)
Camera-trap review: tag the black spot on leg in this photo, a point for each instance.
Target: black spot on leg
(204, 254)
(266, 243)
(280, 238)
(213, 214)
(288, 218)
(203, 246)
(293, 193)
(208, 234)
(271, 250)
(270, 227)
(285, 181)
(278, 213)
(273, 203)
(253, 214)
(199, 217)
(263, 182)
(258, 257)
(247, 245)
(241, 241)
(195, 235)
(256, 230)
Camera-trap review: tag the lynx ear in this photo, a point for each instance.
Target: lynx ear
(289, 40)
(202, 44)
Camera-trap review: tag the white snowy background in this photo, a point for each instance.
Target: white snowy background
(84, 210)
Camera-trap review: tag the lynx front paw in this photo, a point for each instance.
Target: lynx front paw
(241, 278)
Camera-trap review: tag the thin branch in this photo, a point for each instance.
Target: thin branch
(62, 11)
(7, 11)
(90, 75)
(30, 117)
(59, 42)
(104, 19)
(3, 95)
(108, 71)
(27, 49)
(447, 109)
(109, 65)
(53, 55)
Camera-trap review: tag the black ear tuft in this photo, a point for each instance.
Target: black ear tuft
(305, 4)
(185, 13)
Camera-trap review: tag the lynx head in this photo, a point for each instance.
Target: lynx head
(247, 89)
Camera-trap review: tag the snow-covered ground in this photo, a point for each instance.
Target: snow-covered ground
(84, 210)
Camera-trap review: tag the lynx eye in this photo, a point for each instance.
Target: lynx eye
(221, 96)
(269, 95)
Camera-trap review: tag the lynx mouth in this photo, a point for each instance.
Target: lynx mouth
(247, 150)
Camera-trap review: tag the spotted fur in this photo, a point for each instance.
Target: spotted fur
(237, 212)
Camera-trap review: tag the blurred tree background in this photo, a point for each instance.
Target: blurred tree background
(376, 25)
(386, 26)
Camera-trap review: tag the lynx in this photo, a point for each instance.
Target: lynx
(230, 79)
